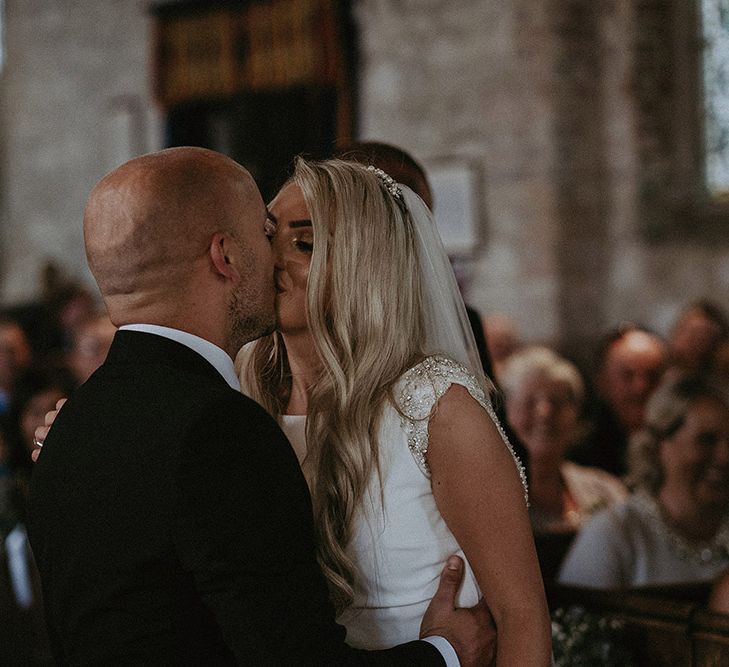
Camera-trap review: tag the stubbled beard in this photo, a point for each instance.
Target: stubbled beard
(246, 324)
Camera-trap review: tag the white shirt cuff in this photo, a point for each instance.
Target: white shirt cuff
(445, 649)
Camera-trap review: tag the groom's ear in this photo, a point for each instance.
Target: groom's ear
(222, 249)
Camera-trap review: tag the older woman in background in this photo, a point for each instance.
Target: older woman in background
(674, 528)
(544, 394)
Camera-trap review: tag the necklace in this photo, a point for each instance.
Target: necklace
(696, 553)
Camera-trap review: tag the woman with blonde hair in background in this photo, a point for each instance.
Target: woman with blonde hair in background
(544, 394)
(374, 377)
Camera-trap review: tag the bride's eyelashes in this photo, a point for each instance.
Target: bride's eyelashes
(303, 245)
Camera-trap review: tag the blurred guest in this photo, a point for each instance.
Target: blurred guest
(674, 527)
(544, 394)
(394, 161)
(49, 323)
(719, 598)
(23, 635)
(8, 504)
(721, 361)
(72, 307)
(91, 342)
(630, 363)
(697, 335)
(35, 392)
(474, 319)
(15, 356)
(502, 339)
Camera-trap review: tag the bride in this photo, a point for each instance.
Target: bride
(374, 377)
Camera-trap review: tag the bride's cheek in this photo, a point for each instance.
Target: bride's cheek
(298, 271)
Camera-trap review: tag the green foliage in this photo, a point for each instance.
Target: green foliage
(584, 639)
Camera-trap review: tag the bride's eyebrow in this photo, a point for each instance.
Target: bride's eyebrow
(293, 223)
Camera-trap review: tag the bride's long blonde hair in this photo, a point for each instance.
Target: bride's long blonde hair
(364, 313)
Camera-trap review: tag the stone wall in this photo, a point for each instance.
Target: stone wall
(75, 102)
(570, 124)
(472, 80)
(565, 120)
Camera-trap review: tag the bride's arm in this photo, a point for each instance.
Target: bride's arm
(479, 494)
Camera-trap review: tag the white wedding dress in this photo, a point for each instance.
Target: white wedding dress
(400, 541)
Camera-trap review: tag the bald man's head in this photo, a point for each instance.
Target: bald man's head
(146, 222)
(632, 364)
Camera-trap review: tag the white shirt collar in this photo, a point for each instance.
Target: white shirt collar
(216, 356)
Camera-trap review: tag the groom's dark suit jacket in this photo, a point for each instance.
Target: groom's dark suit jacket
(171, 525)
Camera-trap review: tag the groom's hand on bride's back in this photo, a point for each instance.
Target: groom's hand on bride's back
(471, 632)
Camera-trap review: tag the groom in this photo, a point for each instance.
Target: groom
(168, 515)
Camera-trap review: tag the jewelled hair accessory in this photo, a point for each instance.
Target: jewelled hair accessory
(389, 182)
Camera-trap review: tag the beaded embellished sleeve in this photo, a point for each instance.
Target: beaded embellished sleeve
(417, 393)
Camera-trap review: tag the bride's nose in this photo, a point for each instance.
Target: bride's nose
(277, 251)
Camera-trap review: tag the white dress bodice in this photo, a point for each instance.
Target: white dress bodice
(400, 541)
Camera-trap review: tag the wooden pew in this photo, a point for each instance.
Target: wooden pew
(710, 637)
(664, 626)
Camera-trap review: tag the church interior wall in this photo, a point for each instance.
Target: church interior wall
(541, 97)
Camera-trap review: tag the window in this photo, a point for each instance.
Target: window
(2, 34)
(681, 87)
(715, 65)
